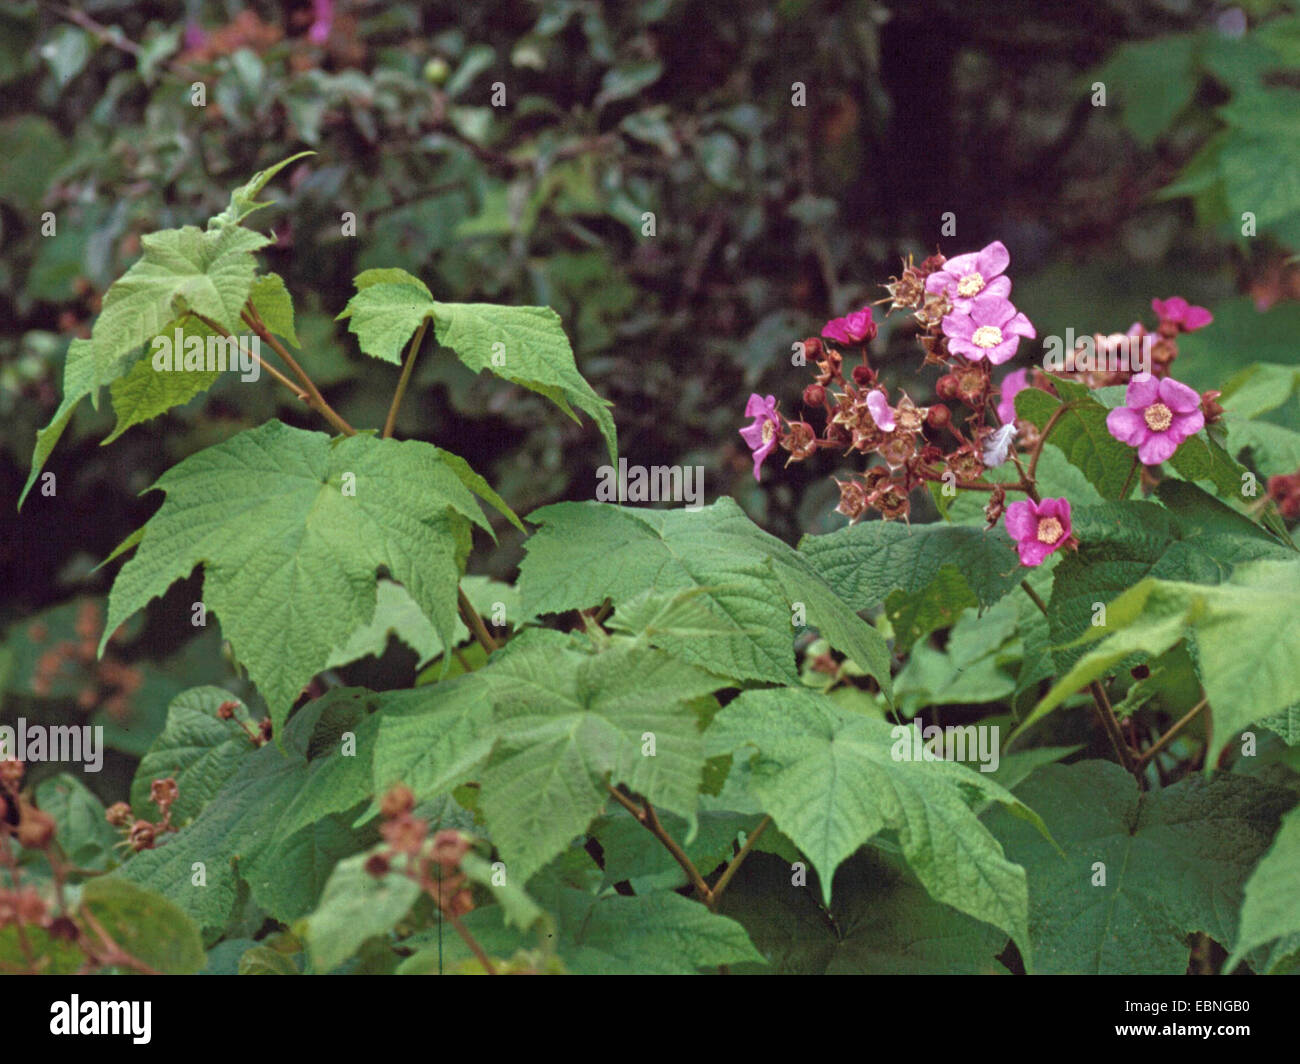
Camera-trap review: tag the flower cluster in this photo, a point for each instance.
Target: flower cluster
(967, 325)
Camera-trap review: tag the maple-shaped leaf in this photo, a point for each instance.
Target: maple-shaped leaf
(291, 529)
(525, 345)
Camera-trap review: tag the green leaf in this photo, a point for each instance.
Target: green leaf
(1243, 633)
(881, 922)
(749, 581)
(209, 273)
(1080, 434)
(144, 924)
(235, 840)
(78, 382)
(435, 737)
(867, 561)
(291, 529)
(243, 201)
(1152, 80)
(197, 749)
(274, 305)
(568, 723)
(1175, 862)
(86, 838)
(1192, 537)
(355, 906)
(658, 934)
(525, 345)
(1271, 908)
(146, 392)
(938, 605)
(833, 780)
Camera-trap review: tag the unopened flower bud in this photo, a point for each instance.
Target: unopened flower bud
(118, 814)
(399, 799)
(939, 417)
(863, 377)
(377, 865)
(449, 846)
(141, 836)
(226, 711)
(946, 387)
(11, 773)
(35, 828)
(814, 395)
(1211, 407)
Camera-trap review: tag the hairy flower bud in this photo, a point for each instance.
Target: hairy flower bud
(35, 828)
(938, 417)
(946, 387)
(814, 395)
(1211, 407)
(397, 800)
(377, 865)
(118, 814)
(863, 376)
(141, 836)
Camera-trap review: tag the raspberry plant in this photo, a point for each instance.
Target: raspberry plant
(678, 744)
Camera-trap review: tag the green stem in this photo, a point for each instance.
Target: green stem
(474, 622)
(411, 354)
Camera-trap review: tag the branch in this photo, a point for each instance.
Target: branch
(736, 862)
(315, 398)
(1171, 734)
(1042, 439)
(650, 820)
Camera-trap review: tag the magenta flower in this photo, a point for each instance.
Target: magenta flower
(1177, 311)
(319, 31)
(1038, 528)
(991, 330)
(763, 434)
(1013, 384)
(976, 274)
(854, 328)
(880, 412)
(1160, 414)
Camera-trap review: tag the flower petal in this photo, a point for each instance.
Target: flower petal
(1185, 425)
(1033, 552)
(991, 311)
(958, 326)
(1020, 520)
(967, 350)
(1178, 396)
(1127, 426)
(880, 412)
(960, 265)
(939, 281)
(1143, 390)
(993, 259)
(1158, 447)
(1197, 318)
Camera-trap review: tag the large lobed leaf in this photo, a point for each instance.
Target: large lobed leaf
(748, 580)
(290, 560)
(525, 345)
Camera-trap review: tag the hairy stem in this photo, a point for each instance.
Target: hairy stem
(734, 867)
(649, 819)
(1171, 734)
(471, 942)
(1037, 452)
(474, 622)
(1128, 482)
(1105, 713)
(265, 365)
(254, 322)
(402, 382)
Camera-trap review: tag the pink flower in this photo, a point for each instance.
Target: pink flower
(1176, 311)
(1013, 384)
(1159, 415)
(991, 330)
(975, 274)
(854, 328)
(1038, 528)
(763, 434)
(319, 31)
(880, 412)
